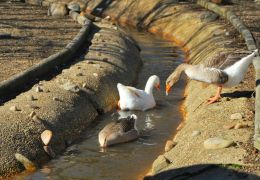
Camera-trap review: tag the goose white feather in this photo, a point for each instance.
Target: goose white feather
(227, 77)
(136, 99)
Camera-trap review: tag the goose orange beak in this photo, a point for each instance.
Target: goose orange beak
(158, 86)
(168, 88)
(118, 105)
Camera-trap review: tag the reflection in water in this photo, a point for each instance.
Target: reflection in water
(130, 160)
(149, 125)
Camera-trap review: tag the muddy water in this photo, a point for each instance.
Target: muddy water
(130, 160)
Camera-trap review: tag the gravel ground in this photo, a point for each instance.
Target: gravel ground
(249, 12)
(34, 36)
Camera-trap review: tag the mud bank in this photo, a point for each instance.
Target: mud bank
(85, 89)
(208, 39)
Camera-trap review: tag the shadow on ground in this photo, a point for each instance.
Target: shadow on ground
(101, 7)
(239, 94)
(204, 172)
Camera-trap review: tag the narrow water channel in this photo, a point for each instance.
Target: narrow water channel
(130, 160)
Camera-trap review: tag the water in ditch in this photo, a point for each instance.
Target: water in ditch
(130, 160)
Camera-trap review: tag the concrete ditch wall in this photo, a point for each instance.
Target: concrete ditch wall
(208, 40)
(68, 103)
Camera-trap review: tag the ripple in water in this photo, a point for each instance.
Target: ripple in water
(130, 160)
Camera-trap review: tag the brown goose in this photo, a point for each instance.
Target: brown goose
(120, 131)
(222, 77)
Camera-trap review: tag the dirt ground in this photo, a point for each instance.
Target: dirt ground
(34, 36)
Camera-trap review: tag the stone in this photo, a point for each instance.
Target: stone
(208, 16)
(84, 85)
(90, 62)
(72, 6)
(240, 125)
(228, 126)
(108, 18)
(81, 3)
(236, 116)
(32, 114)
(74, 15)
(98, 35)
(14, 108)
(28, 164)
(32, 106)
(46, 137)
(82, 20)
(95, 74)
(49, 151)
(55, 99)
(30, 97)
(36, 119)
(38, 89)
(40, 83)
(225, 99)
(79, 74)
(169, 145)
(68, 86)
(159, 164)
(217, 143)
(195, 133)
(58, 9)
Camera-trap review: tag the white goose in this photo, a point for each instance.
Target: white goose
(226, 77)
(123, 130)
(136, 99)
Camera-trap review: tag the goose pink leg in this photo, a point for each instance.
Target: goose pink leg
(216, 97)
